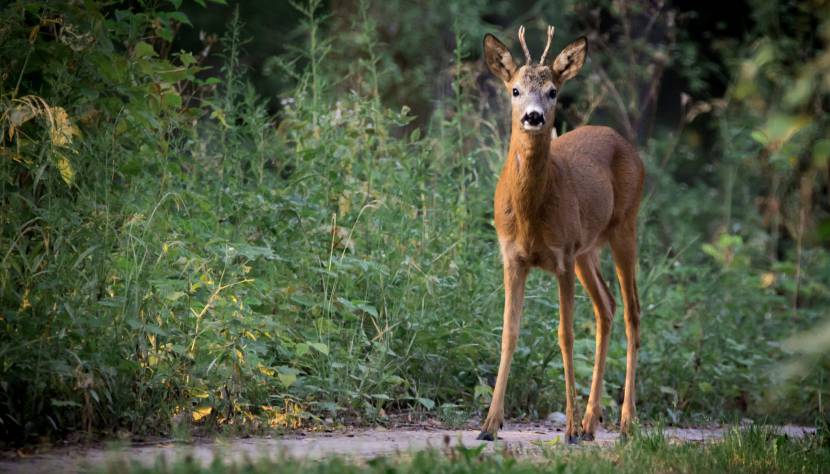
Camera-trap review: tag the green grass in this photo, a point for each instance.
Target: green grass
(752, 451)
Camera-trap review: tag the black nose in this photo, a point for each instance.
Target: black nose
(534, 118)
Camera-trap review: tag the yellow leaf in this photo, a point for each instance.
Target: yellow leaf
(201, 412)
(24, 302)
(65, 168)
(20, 159)
(62, 129)
(33, 34)
(199, 393)
(219, 115)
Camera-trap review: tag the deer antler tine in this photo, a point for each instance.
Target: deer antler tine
(524, 44)
(551, 29)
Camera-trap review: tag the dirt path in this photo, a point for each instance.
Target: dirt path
(527, 439)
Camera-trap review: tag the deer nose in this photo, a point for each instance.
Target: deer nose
(534, 118)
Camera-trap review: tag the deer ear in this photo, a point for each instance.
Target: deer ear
(498, 58)
(570, 60)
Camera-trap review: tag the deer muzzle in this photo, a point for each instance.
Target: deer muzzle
(533, 120)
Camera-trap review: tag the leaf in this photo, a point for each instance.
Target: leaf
(24, 301)
(759, 137)
(187, 59)
(201, 412)
(165, 33)
(22, 114)
(154, 329)
(483, 391)
(287, 375)
(219, 115)
(65, 168)
(174, 295)
(172, 100)
(65, 403)
(143, 50)
(320, 347)
(394, 380)
(61, 129)
(199, 393)
(180, 16)
(780, 128)
(368, 308)
(287, 379)
(426, 402)
(668, 390)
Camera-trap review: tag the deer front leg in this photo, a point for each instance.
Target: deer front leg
(566, 345)
(514, 292)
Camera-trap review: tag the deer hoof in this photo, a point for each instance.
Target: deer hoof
(572, 439)
(485, 436)
(587, 436)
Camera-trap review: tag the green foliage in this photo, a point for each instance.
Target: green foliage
(176, 257)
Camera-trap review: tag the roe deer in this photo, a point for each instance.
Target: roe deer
(557, 202)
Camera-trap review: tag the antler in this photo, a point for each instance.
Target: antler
(551, 29)
(524, 44)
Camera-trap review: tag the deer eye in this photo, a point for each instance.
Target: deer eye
(515, 92)
(552, 93)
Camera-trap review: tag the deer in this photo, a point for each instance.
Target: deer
(558, 202)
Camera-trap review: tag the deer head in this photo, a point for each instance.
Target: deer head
(534, 87)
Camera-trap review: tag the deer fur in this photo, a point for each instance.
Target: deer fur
(557, 203)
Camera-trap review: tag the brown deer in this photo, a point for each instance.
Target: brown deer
(558, 201)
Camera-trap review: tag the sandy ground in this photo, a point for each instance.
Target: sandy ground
(520, 439)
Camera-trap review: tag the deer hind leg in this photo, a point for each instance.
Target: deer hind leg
(624, 248)
(587, 269)
(566, 345)
(514, 291)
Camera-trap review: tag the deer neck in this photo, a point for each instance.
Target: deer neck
(530, 174)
